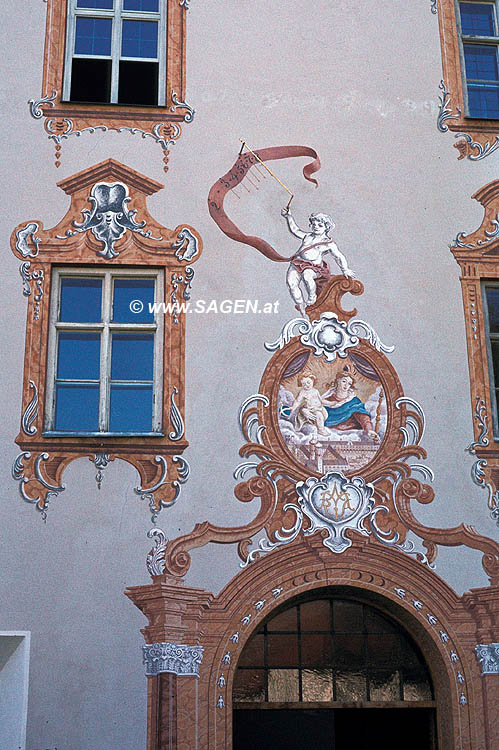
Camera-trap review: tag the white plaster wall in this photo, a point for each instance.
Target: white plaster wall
(358, 82)
(14, 674)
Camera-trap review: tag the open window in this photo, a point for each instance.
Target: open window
(104, 358)
(114, 65)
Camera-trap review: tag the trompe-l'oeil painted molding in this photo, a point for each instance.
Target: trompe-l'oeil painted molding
(488, 657)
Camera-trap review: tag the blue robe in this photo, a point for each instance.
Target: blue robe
(338, 414)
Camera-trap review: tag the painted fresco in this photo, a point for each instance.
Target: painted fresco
(332, 416)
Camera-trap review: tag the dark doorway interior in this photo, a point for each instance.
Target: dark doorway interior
(334, 729)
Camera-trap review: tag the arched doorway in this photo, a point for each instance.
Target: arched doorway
(332, 672)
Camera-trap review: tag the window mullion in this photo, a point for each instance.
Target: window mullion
(116, 51)
(70, 45)
(162, 54)
(105, 356)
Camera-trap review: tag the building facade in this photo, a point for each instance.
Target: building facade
(251, 376)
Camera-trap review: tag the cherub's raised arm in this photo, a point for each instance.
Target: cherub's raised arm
(292, 225)
(340, 260)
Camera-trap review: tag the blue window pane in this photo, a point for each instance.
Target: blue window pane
(129, 296)
(77, 407)
(483, 101)
(492, 293)
(132, 356)
(131, 408)
(149, 6)
(105, 4)
(81, 300)
(481, 62)
(477, 19)
(140, 39)
(78, 356)
(93, 36)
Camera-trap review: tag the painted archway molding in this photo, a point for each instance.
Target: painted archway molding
(446, 626)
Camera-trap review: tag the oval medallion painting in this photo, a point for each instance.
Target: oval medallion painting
(332, 415)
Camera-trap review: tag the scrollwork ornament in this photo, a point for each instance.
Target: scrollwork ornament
(481, 151)
(328, 336)
(31, 412)
(444, 111)
(478, 478)
(482, 419)
(40, 502)
(155, 560)
(176, 418)
(186, 245)
(434, 6)
(100, 460)
(22, 237)
(189, 115)
(488, 657)
(185, 4)
(34, 104)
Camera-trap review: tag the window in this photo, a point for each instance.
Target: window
(104, 358)
(116, 52)
(491, 315)
(480, 44)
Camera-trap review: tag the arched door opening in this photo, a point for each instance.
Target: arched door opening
(332, 673)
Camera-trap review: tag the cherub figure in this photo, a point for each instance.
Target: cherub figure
(308, 264)
(308, 406)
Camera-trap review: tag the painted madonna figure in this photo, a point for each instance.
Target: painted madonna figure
(345, 410)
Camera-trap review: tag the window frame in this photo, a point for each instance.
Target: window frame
(479, 41)
(117, 14)
(106, 326)
(489, 337)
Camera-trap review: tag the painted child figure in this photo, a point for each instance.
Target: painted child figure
(308, 264)
(308, 407)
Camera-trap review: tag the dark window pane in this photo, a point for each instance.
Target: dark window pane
(315, 650)
(104, 4)
(282, 650)
(283, 685)
(384, 686)
(410, 656)
(139, 39)
(477, 19)
(133, 290)
(93, 36)
(138, 83)
(78, 356)
(492, 295)
(131, 408)
(383, 650)
(316, 615)
(149, 6)
(90, 80)
(249, 685)
(81, 300)
(350, 686)
(376, 623)
(494, 345)
(347, 617)
(483, 101)
(481, 62)
(252, 655)
(132, 356)
(349, 651)
(287, 620)
(77, 407)
(317, 685)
